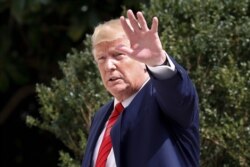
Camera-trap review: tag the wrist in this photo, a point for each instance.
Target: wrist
(161, 60)
(164, 60)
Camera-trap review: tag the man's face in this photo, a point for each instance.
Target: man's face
(122, 76)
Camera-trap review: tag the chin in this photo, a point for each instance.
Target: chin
(118, 91)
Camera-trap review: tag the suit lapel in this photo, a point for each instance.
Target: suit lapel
(115, 137)
(100, 119)
(126, 120)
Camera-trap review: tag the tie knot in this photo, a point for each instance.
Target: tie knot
(118, 107)
(117, 111)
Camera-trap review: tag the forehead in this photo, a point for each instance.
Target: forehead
(108, 46)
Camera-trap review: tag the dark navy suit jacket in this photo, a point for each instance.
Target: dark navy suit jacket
(160, 127)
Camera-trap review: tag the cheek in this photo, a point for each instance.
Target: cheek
(101, 71)
(134, 73)
(135, 68)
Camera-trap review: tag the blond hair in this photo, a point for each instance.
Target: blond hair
(108, 31)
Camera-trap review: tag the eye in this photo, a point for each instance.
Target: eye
(118, 55)
(100, 59)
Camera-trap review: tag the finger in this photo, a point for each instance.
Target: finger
(127, 29)
(142, 21)
(154, 27)
(133, 21)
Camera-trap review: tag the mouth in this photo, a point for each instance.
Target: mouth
(111, 79)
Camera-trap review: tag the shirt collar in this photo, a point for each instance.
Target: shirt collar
(127, 101)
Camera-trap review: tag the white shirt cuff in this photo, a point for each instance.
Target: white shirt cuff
(163, 71)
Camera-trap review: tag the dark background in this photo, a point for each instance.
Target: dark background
(34, 36)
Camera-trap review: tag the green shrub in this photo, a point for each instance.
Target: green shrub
(68, 104)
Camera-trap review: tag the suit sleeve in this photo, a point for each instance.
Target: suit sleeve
(176, 95)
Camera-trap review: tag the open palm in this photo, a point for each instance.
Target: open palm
(145, 44)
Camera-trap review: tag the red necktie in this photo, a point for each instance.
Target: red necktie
(106, 144)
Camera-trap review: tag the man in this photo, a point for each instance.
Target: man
(158, 124)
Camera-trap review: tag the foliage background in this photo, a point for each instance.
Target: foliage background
(210, 39)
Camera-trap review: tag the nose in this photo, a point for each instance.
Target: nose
(110, 64)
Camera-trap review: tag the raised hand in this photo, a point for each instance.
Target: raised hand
(145, 44)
